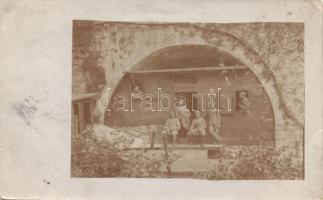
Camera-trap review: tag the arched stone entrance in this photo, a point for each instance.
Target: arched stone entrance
(286, 121)
(209, 68)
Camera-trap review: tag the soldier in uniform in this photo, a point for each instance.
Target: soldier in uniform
(198, 127)
(171, 128)
(183, 114)
(214, 119)
(244, 104)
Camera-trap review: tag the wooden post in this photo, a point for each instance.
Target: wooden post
(153, 134)
(169, 171)
(81, 116)
(91, 112)
(75, 127)
(76, 124)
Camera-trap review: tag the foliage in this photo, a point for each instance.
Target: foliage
(93, 158)
(99, 158)
(263, 161)
(141, 164)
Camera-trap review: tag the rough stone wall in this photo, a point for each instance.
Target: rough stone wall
(281, 47)
(273, 51)
(118, 47)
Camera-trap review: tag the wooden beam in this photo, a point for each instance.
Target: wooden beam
(85, 96)
(188, 69)
(179, 147)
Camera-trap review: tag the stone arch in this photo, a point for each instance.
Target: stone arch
(197, 56)
(233, 46)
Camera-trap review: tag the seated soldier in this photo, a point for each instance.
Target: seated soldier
(171, 128)
(137, 93)
(197, 128)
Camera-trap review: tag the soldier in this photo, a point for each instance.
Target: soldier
(214, 124)
(197, 128)
(244, 103)
(183, 114)
(171, 128)
(137, 93)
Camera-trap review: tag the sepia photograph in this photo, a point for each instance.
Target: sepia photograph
(214, 101)
(171, 99)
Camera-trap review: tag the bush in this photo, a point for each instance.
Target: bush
(91, 158)
(99, 158)
(259, 162)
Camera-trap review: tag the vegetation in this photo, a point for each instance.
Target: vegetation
(99, 158)
(259, 162)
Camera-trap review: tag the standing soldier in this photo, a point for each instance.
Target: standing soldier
(183, 114)
(244, 104)
(214, 124)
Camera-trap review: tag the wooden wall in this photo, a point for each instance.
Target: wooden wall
(235, 127)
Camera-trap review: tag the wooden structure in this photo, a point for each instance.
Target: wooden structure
(236, 129)
(82, 108)
(192, 69)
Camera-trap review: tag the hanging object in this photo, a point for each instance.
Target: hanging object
(135, 89)
(221, 62)
(225, 74)
(132, 82)
(227, 80)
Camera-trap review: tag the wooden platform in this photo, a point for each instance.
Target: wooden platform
(181, 147)
(194, 69)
